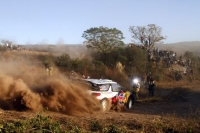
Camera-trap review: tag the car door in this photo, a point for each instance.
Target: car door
(115, 89)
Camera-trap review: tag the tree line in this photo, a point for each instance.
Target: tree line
(104, 39)
(110, 57)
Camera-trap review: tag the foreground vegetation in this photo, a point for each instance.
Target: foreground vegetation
(166, 123)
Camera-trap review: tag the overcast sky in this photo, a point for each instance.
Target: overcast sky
(64, 21)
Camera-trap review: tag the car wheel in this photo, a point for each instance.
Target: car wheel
(104, 104)
(129, 104)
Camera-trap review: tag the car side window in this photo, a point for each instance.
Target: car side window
(116, 87)
(104, 87)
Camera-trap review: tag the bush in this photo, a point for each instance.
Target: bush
(37, 124)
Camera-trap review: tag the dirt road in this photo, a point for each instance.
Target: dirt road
(141, 110)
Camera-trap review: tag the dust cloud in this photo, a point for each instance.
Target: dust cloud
(24, 86)
(75, 51)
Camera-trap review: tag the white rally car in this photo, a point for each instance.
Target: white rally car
(106, 91)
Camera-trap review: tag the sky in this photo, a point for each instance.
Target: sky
(64, 21)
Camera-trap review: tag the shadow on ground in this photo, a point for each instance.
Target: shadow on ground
(181, 102)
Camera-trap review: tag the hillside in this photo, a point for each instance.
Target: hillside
(181, 47)
(80, 50)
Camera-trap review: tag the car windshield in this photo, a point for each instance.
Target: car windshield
(99, 87)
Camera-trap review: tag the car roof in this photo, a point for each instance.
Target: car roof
(101, 81)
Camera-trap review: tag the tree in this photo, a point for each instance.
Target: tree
(99, 67)
(136, 60)
(103, 39)
(147, 35)
(63, 61)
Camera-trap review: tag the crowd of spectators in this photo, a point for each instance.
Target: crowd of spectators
(168, 58)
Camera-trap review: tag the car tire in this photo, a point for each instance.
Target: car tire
(129, 104)
(105, 104)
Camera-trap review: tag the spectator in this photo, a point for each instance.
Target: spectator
(71, 75)
(168, 63)
(178, 76)
(50, 70)
(151, 87)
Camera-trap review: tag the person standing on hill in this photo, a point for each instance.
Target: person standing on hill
(49, 69)
(151, 87)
